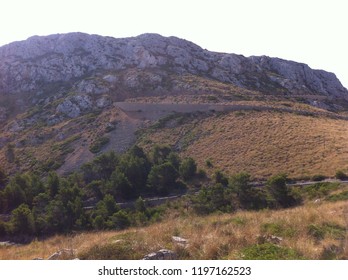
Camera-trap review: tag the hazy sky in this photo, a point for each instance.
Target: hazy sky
(309, 31)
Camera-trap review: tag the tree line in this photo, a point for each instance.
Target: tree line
(56, 204)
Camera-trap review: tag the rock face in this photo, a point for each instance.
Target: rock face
(92, 64)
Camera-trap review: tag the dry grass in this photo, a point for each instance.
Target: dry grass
(212, 237)
(262, 143)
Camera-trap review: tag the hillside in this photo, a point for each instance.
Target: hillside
(59, 94)
(259, 140)
(314, 231)
(152, 136)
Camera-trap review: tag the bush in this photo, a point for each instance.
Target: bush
(22, 220)
(279, 229)
(119, 220)
(162, 178)
(121, 250)
(318, 178)
(209, 163)
(3, 229)
(340, 175)
(331, 230)
(268, 251)
(319, 190)
(279, 191)
(187, 168)
(316, 232)
(98, 144)
(338, 196)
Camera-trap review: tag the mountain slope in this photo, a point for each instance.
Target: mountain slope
(27, 66)
(59, 94)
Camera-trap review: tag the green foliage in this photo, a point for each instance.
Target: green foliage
(3, 228)
(188, 168)
(318, 178)
(10, 153)
(279, 192)
(240, 183)
(98, 144)
(22, 221)
(53, 183)
(162, 178)
(220, 178)
(338, 196)
(101, 167)
(3, 178)
(121, 250)
(211, 199)
(268, 251)
(278, 229)
(119, 186)
(341, 175)
(209, 163)
(319, 190)
(174, 159)
(239, 221)
(140, 205)
(319, 232)
(119, 220)
(159, 154)
(22, 188)
(136, 169)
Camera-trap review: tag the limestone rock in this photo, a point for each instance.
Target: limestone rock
(69, 109)
(73, 106)
(269, 238)
(93, 64)
(103, 102)
(162, 254)
(63, 254)
(180, 241)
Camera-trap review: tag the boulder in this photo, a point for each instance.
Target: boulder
(180, 241)
(269, 238)
(63, 254)
(163, 254)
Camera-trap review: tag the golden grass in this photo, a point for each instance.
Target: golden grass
(262, 143)
(213, 237)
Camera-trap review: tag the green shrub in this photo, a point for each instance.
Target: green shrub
(209, 163)
(22, 220)
(98, 144)
(119, 250)
(318, 178)
(319, 190)
(239, 221)
(319, 232)
(338, 196)
(188, 168)
(316, 232)
(268, 251)
(3, 228)
(340, 175)
(279, 229)
(279, 192)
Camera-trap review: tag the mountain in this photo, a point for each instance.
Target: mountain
(73, 59)
(59, 94)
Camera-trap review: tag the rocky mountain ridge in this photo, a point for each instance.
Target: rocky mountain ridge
(92, 63)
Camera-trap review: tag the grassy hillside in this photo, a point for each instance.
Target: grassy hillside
(259, 142)
(312, 231)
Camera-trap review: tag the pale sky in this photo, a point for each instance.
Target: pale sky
(309, 31)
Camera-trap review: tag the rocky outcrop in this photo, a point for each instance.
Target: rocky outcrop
(92, 64)
(73, 106)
